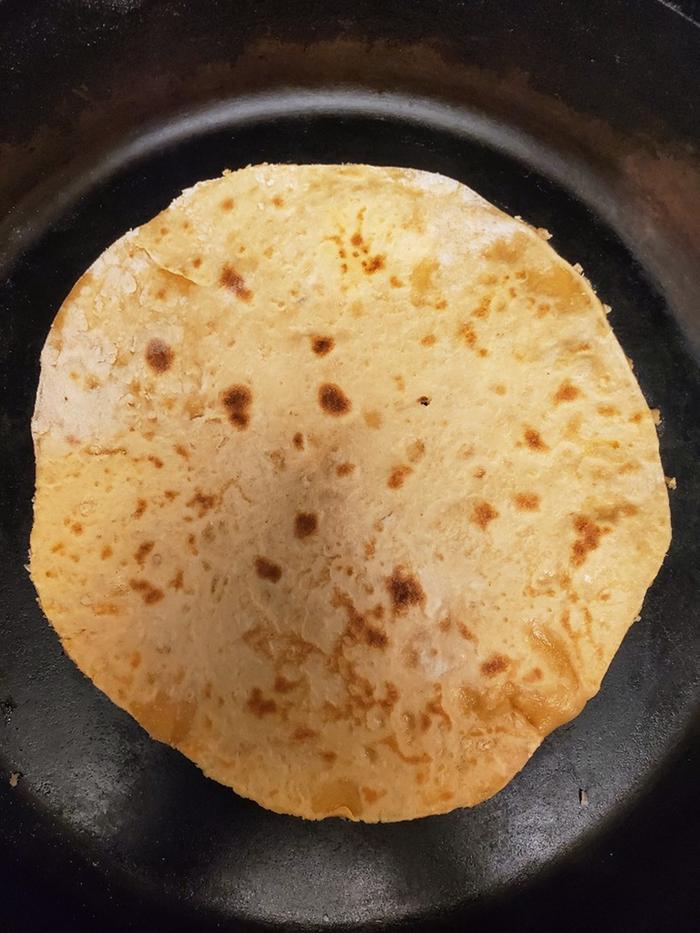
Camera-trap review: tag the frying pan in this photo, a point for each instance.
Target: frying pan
(582, 118)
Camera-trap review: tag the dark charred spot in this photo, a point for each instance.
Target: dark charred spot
(232, 280)
(305, 524)
(259, 705)
(533, 439)
(267, 569)
(527, 501)
(149, 593)
(143, 551)
(298, 440)
(344, 469)
(424, 400)
(496, 664)
(322, 345)
(159, 355)
(333, 400)
(227, 204)
(405, 591)
(237, 401)
(141, 506)
(398, 476)
(566, 392)
(483, 513)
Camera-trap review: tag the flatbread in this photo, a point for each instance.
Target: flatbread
(345, 487)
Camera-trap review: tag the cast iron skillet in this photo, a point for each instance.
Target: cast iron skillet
(581, 117)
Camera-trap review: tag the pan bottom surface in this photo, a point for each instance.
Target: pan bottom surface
(140, 815)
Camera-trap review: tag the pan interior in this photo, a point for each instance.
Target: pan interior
(141, 813)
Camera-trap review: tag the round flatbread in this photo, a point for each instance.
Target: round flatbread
(345, 487)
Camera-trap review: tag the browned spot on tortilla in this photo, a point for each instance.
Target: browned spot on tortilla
(416, 451)
(177, 581)
(467, 334)
(527, 501)
(237, 400)
(371, 795)
(405, 591)
(105, 609)
(197, 262)
(305, 524)
(135, 659)
(344, 469)
(636, 417)
(182, 451)
(428, 340)
(333, 400)
(392, 744)
(483, 513)
(106, 552)
(59, 547)
(259, 705)
(202, 503)
(142, 552)
(92, 382)
(498, 388)
(587, 540)
(613, 513)
(298, 440)
(533, 439)
(445, 624)
(231, 279)
(149, 593)
(283, 685)
(159, 355)
(302, 733)
(170, 494)
(496, 664)
(465, 632)
(424, 400)
(482, 309)
(566, 392)
(479, 472)
(372, 419)
(141, 506)
(77, 528)
(398, 476)
(322, 345)
(422, 280)
(156, 461)
(395, 282)
(373, 264)
(267, 569)
(358, 629)
(227, 204)
(607, 411)
(400, 383)
(329, 757)
(278, 201)
(192, 545)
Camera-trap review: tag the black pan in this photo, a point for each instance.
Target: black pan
(579, 116)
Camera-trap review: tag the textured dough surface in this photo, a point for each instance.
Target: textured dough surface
(345, 487)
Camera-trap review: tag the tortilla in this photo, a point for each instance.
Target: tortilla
(345, 487)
